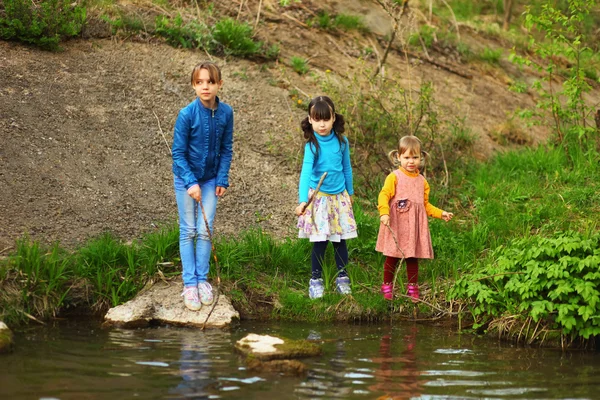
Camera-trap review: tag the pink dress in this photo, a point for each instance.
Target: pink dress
(408, 220)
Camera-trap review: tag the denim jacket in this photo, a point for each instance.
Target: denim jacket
(191, 142)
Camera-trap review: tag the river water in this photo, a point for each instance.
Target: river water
(80, 360)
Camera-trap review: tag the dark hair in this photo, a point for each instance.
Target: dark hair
(322, 108)
(214, 72)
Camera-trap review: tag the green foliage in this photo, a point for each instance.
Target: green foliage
(44, 277)
(553, 279)
(380, 111)
(191, 35)
(426, 34)
(491, 56)
(518, 87)
(349, 22)
(235, 38)
(299, 64)
(346, 22)
(564, 39)
(43, 24)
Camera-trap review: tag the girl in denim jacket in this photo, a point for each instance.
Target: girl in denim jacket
(202, 152)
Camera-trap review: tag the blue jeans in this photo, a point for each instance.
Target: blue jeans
(194, 242)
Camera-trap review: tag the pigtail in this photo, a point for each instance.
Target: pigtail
(393, 157)
(339, 126)
(425, 158)
(309, 135)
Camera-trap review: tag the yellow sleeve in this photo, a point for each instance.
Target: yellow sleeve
(431, 210)
(387, 192)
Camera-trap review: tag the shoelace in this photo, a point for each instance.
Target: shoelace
(205, 290)
(194, 294)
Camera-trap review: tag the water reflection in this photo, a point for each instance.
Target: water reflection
(79, 361)
(194, 367)
(398, 375)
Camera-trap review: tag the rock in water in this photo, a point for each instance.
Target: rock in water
(271, 353)
(6, 338)
(162, 303)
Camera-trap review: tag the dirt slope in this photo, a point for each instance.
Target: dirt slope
(82, 151)
(81, 132)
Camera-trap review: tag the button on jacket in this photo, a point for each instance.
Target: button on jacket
(203, 143)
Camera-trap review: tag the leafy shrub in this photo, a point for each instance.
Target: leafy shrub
(43, 24)
(236, 38)
(555, 280)
(189, 35)
(490, 55)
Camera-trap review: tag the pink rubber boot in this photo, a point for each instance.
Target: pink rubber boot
(413, 291)
(387, 291)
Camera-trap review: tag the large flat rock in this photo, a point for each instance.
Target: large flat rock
(162, 303)
(6, 338)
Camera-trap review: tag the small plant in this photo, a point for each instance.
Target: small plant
(490, 55)
(300, 65)
(426, 34)
(518, 87)
(125, 22)
(272, 52)
(236, 38)
(189, 35)
(323, 20)
(349, 22)
(43, 24)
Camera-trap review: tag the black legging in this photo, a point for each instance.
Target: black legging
(318, 255)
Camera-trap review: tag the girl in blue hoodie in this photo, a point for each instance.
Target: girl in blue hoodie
(202, 152)
(329, 217)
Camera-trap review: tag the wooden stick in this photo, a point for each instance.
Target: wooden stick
(315, 192)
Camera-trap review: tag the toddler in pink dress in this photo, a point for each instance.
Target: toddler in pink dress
(403, 209)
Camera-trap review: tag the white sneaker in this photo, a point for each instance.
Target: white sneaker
(206, 293)
(190, 298)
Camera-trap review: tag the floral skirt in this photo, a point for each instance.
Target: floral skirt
(328, 217)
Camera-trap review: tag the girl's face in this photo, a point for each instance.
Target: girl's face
(410, 161)
(206, 90)
(322, 126)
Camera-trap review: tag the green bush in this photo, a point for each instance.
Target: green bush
(299, 64)
(236, 38)
(189, 35)
(43, 24)
(554, 279)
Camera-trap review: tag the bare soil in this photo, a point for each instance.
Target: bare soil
(85, 133)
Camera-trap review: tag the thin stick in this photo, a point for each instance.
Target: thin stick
(316, 191)
(212, 246)
(7, 248)
(239, 10)
(310, 200)
(258, 14)
(162, 133)
(400, 262)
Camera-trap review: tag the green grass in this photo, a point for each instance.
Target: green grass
(491, 56)
(299, 64)
(515, 195)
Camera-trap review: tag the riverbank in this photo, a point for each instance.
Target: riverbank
(518, 261)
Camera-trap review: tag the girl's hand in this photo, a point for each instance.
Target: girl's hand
(351, 199)
(195, 192)
(446, 216)
(300, 209)
(220, 191)
(385, 219)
